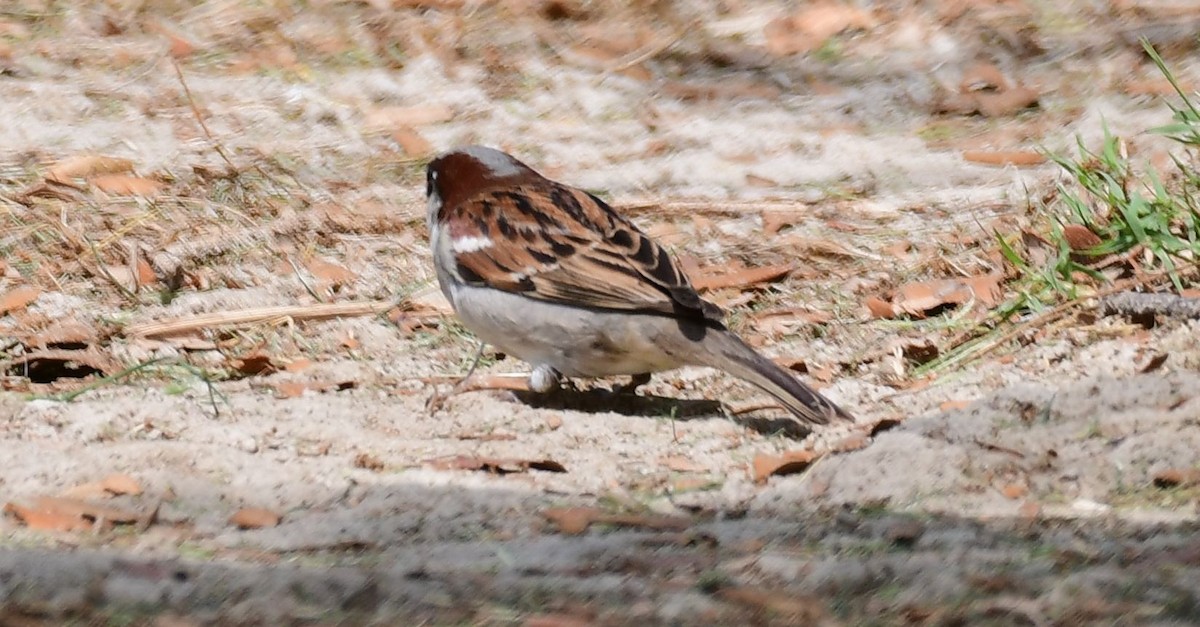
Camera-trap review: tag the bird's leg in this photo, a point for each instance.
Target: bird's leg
(436, 401)
(636, 382)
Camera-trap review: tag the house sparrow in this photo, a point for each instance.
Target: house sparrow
(554, 276)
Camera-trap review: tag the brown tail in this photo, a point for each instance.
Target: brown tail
(729, 353)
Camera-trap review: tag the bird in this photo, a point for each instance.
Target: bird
(554, 276)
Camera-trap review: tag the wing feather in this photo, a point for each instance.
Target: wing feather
(558, 244)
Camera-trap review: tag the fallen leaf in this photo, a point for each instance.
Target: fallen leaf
(1177, 478)
(299, 364)
(496, 466)
(571, 520)
(330, 272)
(294, 389)
(400, 117)
(68, 334)
(953, 405)
(124, 185)
(254, 363)
(88, 165)
(681, 463)
(45, 366)
(1004, 157)
(18, 298)
(774, 221)
(90, 490)
(1005, 103)
(290, 389)
(1014, 491)
(254, 518)
(554, 422)
(919, 299)
(1029, 510)
(790, 462)
(1079, 237)
(741, 278)
(145, 273)
(1154, 363)
(121, 484)
(51, 520)
(412, 143)
(983, 77)
(881, 309)
(811, 27)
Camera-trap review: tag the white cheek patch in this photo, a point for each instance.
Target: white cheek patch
(470, 243)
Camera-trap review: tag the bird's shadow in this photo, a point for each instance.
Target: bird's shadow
(598, 400)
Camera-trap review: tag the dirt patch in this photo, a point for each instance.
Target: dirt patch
(1021, 488)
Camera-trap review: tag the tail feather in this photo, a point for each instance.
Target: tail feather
(729, 353)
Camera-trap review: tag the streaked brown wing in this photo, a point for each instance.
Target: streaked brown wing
(563, 245)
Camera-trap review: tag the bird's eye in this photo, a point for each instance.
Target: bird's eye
(429, 179)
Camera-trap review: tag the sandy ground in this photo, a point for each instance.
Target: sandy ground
(1017, 490)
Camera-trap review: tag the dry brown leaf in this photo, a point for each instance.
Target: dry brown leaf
(47, 520)
(145, 273)
(412, 143)
(121, 484)
(91, 490)
(1154, 87)
(918, 299)
(1079, 237)
(1014, 491)
(254, 518)
(1029, 510)
(1177, 478)
(498, 466)
(295, 389)
(330, 272)
(386, 118)
(1004, 157)
(572, 520)
(681, 463)
(983, 77)
(790, 462)
(808, 29)
(52, 364)
(774, 221)
(953, 405)
(125, 185)
(299, 364)
(18, 298)
(290, 389)
(554, 422)
(254, 363)
(881, 309)
(1004, 103)
(86, 166)
(748, 277)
